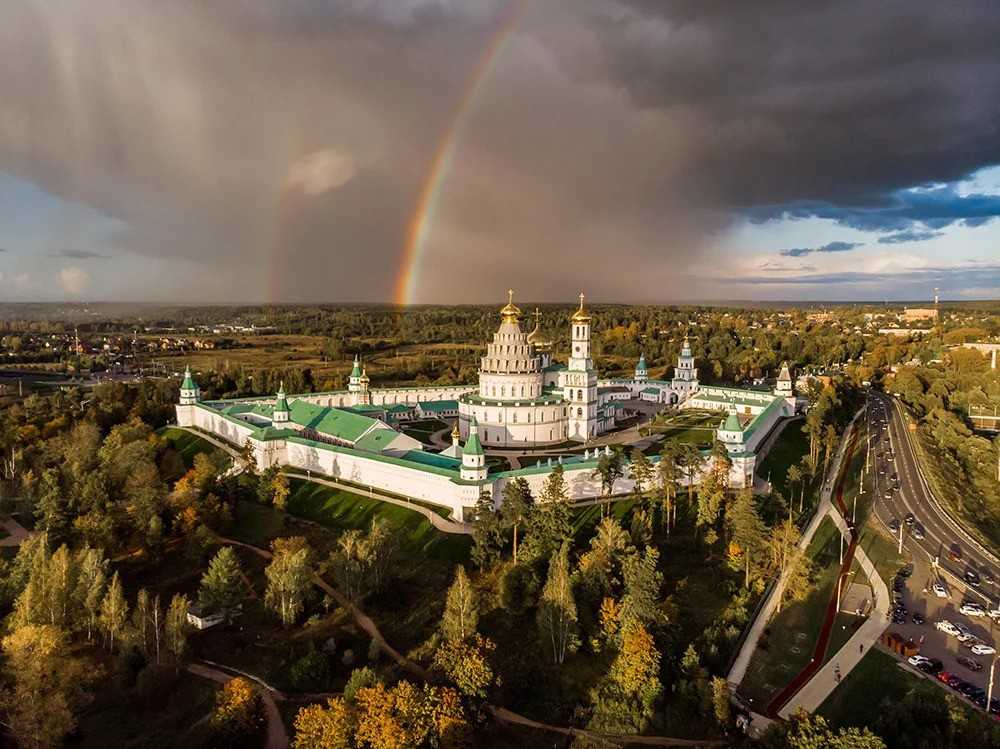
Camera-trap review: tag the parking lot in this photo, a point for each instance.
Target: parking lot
(918, 597)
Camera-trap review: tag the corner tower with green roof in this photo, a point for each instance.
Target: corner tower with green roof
(281, 412)
(190, 394)
(641, 371)
(473, 455)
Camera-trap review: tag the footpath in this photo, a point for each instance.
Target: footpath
(813, 684)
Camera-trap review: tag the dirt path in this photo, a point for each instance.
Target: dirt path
(277, 738)
(17, 533)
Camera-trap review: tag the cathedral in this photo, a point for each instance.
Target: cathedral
(523, 399)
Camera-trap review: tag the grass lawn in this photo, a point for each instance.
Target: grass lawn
(788, 449)
(186, 443)
(876, 680)
(342, 510)
(790, 637)
(422, 429)
(585, 519)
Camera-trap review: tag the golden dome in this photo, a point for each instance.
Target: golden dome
(580, 315)
(455, 433)
(364, 376)
(511, 312)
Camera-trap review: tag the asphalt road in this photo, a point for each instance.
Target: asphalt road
(933, 554)
(941, 536)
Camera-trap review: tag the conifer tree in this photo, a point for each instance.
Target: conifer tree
(517, 507)
(643, 580)
(221, 586)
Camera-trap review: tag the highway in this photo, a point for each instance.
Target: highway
(945, 545)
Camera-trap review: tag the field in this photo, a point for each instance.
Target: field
(340, 510)
(186, 443)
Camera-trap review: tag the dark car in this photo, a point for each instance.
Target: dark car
(918, 618)
(988, 577)
(969, 663)
(972, 578)
(967, 689)
(955, 554)
(980, 699)
(909, 519)
(894, 525)
(932, 667)
(906, 570)
(954, 681)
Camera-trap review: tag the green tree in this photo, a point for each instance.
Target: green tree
(551, 521)
(461, 608)
(643, 580)
(720, 701)
(748, 535)
(465, 663)
(221, 588)
(487, 533)
(642, 472)
(517, 507)
(557, 615)
(805, 731)
(625, 700)
(793, 478)
(609, 469)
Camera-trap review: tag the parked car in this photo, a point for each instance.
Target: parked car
(894, 524)
(947, 627)
(972, 578)
(939, 590)
(918, 532)
(981, 648)
(955, 554)
(969, 663)
(971, 608)
(909, 519)
(918, 618)
(944, 676)
(905, 571)
(916, 660)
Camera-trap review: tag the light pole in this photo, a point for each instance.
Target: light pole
(900, 550)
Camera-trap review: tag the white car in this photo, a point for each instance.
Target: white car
(947, 627)
(966, 636)
(993, 614)
(972, 609)
(983, 649)
(940, 591)
(916, 660)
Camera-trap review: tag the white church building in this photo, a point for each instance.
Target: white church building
(522, 401)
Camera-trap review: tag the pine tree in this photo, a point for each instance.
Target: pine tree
(461, 609)
(517, 507)
(748, 534)
(641, 471)
(551, 521)
(487, 533)
(557, 615)
(114, 612)
(221, 587)
(643, 580)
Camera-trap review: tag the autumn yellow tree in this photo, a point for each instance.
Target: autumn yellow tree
(238, 714)
(465, 663)
(44, 691)
(329, 727)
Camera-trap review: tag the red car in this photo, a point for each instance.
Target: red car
(943, 676)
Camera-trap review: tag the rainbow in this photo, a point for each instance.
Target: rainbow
(428, 198)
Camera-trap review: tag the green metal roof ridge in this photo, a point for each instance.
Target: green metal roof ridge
(373, 456)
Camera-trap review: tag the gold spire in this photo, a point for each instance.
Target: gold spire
(510, 313)
(364, 375)
(456, 435)
(580, 315)
(538, 322)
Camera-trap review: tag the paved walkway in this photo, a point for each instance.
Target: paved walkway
(277, 738)
(16, 533)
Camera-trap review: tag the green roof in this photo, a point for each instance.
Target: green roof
(398, 408)
(356, 372)
(472, 445)
(433, 459)
(188, 383)
(281, 404)
(377, 440)
(439, 406)
(554, 367)
(651, 391)
(641, 366)
(335, 422)
(733, 423)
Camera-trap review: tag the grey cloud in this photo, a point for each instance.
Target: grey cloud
(78, 255)
(829, 247)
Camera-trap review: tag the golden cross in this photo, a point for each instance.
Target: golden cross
(581, 300)
(510, 296)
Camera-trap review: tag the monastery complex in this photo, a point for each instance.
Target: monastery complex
(523, 402)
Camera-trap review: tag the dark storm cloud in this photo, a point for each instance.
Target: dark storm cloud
(933, 207)
(829, 247)
(840, 102)
(265, 149)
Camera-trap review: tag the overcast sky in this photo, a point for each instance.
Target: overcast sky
(639, 150)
